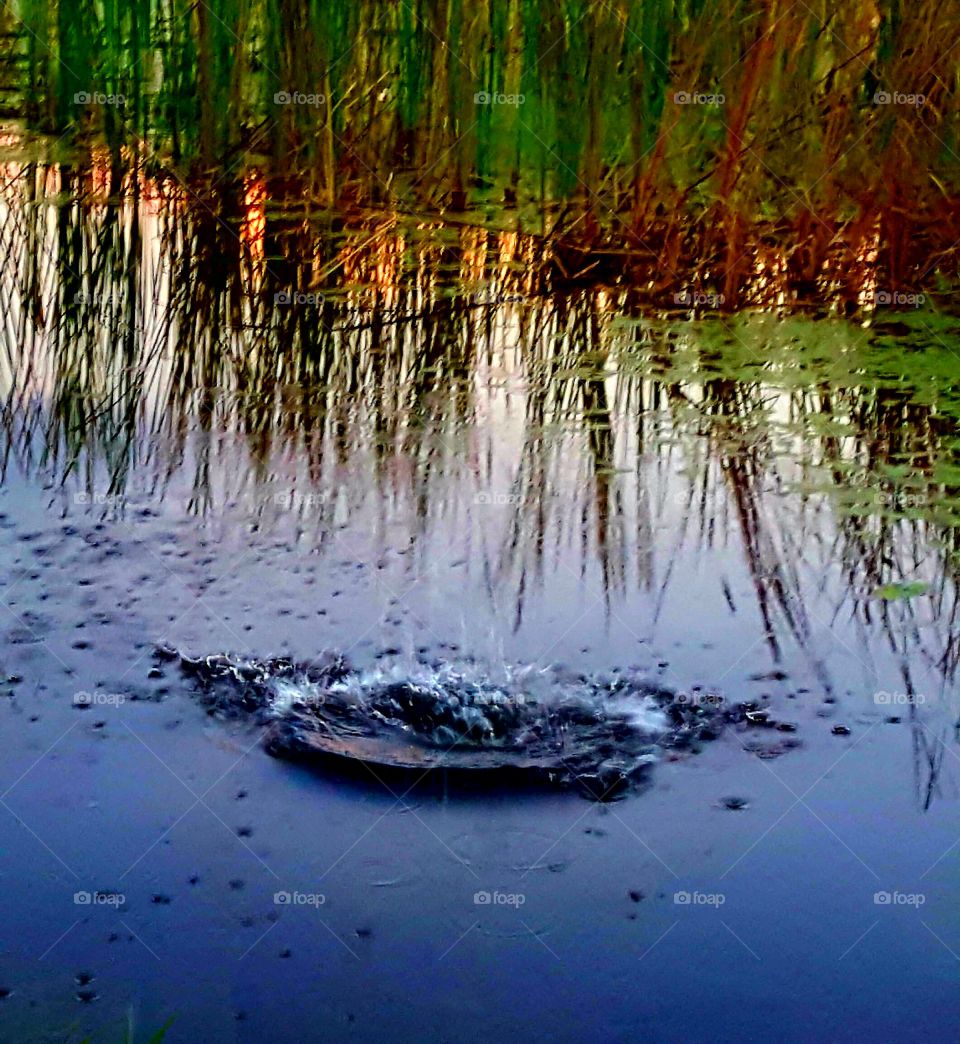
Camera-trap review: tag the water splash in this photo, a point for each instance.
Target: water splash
(600, 733)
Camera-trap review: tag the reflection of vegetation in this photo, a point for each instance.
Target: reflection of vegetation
(415, 375)
(694, 135)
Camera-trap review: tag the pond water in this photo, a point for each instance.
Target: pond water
(398, 449)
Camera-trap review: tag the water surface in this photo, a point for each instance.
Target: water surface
(244, 432)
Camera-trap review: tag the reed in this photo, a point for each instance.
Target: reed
(677, 130)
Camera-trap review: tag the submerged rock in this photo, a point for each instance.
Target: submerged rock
(598, 733)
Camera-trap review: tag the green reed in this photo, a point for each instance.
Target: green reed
(677, 126)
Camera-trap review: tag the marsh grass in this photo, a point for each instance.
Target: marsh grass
(594, 152)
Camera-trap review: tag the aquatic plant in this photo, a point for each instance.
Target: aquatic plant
(664, 137)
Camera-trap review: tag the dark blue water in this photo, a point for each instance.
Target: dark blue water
(761, 510)
(264, 899)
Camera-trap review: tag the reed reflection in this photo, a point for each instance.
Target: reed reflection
(269, 363)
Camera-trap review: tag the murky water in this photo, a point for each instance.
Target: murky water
(423, 462)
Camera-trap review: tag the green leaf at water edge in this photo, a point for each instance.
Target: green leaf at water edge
(900, 591)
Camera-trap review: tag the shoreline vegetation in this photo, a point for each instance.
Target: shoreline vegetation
(741, 152)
